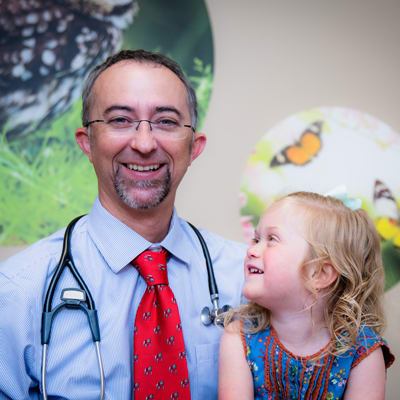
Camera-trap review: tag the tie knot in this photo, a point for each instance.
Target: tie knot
(152, 266)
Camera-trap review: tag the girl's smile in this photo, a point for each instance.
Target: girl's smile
(272, 265)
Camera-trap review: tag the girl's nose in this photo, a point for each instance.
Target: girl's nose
(252, 251)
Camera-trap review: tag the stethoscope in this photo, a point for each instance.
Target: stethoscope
(81, 299)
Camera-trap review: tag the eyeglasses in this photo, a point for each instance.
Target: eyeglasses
(164, 128)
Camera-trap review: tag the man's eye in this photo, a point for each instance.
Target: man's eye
(166, 123)
(119, 122)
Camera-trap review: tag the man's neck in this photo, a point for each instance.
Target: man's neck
(152, 224)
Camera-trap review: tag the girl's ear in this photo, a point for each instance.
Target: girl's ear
(324, 275)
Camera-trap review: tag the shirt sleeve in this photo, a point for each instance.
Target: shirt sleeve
(17, 356)
(368, 341)
(22, 281)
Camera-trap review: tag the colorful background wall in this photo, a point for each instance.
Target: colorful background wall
(276, 70)
(46, 51)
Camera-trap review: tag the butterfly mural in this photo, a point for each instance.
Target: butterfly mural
(303, 150)
(387, 223)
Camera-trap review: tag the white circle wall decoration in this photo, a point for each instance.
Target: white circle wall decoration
(320, 149)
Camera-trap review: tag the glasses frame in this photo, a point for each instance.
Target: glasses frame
(139, 121)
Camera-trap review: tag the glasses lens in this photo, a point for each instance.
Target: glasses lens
(169, 130)
(164, 129)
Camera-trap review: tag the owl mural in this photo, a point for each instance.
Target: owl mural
(47, 47)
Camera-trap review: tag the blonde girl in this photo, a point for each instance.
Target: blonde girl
(314, 278)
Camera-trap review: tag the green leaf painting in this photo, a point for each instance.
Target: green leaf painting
(45, 179)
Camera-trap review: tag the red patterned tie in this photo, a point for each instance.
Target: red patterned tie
(160, 368)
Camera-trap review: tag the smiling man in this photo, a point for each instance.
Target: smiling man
(139, 132)
(140, 141)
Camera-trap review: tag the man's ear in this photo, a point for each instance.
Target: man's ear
(198, 145)
(83, 141)
(324, 275)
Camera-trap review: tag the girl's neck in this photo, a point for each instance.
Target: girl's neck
(303, 333)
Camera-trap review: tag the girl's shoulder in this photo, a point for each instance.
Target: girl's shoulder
(253, 332)
(367, 342)
(252, 337)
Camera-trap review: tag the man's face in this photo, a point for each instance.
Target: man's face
(136, 168)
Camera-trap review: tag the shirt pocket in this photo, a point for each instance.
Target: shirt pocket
(207, 371)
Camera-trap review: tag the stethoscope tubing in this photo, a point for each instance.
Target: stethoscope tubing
(66, 260)
(212, 284)
(48, 314)
(99, 362)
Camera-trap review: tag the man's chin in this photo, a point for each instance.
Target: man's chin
(143, 199)
(143, 195)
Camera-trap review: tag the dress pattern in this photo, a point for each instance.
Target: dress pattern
(279, 374)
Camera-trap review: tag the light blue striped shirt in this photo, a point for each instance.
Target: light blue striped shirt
(103, 248)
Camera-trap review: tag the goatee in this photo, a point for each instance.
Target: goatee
(159, 188)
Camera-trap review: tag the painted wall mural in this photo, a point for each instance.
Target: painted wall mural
(46, 50)
(320, 149)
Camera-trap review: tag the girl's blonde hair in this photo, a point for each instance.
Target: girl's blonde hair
(349, 241)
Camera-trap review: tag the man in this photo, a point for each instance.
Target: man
(139, 122)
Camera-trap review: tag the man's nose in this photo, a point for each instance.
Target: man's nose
(143, 139)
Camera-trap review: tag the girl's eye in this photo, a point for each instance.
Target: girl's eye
(271, 238)
(255, 240)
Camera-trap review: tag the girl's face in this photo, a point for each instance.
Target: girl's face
(272, 264)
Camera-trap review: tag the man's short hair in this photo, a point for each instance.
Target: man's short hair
(142, 56)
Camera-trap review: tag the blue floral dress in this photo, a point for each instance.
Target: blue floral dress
(279, 374)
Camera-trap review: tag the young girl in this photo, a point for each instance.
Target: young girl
(314, 278)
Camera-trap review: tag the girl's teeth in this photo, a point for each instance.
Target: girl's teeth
(255, 271)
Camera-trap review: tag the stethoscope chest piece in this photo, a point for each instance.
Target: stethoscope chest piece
(208, 316)
(205, 316)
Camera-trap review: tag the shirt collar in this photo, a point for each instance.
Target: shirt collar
(176, 240)
(119, 244)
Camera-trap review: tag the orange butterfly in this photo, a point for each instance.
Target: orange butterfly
(387, 224)
(303, 150)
